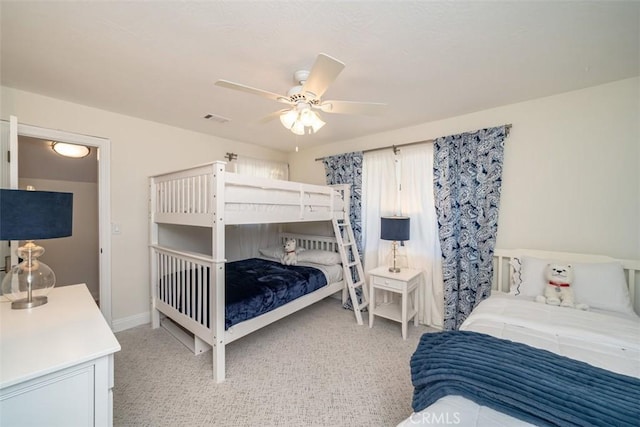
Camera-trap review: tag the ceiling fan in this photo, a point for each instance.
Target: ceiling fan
(305, 99)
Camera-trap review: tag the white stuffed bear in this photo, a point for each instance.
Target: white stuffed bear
(558, 290)
(289, 257)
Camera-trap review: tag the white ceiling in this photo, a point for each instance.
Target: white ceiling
(427, 59)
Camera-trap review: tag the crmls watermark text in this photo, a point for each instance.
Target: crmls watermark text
(435, 418)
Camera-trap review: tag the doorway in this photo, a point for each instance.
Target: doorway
(74, 259)
(11, 132)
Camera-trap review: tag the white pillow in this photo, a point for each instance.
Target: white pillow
(532, 275)
(601, 285)
(320, 257)
(275, 252)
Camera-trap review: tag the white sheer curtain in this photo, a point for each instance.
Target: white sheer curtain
(259, 167)
(245, 241)
(402, 184)
(380, 197)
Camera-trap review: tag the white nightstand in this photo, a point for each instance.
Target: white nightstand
(404, 283)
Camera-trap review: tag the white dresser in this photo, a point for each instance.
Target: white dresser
(56, 362)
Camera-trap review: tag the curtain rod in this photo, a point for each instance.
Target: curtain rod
(395, 148)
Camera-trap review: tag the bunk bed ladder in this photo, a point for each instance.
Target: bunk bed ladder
(352, 266)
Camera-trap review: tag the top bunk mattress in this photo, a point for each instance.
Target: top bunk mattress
(190, 198)
(243, 202)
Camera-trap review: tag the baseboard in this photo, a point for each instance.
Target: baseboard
(123, 324)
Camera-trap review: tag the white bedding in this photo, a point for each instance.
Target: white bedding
(332, 272)
(601, 339)
(242, 198)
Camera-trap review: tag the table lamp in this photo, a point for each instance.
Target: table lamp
(31, 215)
(395, 228)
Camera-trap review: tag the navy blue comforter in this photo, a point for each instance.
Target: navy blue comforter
(255, 286)
(531, 384)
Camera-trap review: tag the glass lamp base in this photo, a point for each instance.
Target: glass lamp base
(25, 303)
(27, 284)
(394, 268)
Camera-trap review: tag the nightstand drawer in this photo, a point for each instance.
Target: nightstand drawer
(389, 283)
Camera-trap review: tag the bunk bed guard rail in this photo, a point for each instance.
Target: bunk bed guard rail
(183, 285)
(193, 197)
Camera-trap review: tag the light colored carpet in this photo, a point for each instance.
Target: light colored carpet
(316, 367)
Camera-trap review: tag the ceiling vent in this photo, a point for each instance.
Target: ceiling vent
(216, 118)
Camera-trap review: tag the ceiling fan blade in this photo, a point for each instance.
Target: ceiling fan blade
(348, 107)
(322, 74)
(272, 116)
(252, 90)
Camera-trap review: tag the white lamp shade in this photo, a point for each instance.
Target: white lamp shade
(317, 124)
(307, 117)
(288, 118)
(298, 128)
(298, 119)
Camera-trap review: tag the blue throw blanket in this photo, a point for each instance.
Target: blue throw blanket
(536, 386)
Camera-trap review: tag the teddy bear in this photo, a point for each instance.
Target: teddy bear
(557, 290)
(289, 257)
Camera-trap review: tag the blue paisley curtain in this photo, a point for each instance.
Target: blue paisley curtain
(467, 179)
(347, 169)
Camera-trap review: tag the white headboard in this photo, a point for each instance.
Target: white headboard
(310, 241)
(502, 270)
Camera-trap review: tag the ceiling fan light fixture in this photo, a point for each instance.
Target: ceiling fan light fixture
(317, 124)
(288, 118)
(298, 128)
(307, 117)
(301, 118)
(70, 150)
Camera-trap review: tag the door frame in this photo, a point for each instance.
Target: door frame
(104, 199)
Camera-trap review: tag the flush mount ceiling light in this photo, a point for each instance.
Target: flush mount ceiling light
(301, 118)
(70, 150)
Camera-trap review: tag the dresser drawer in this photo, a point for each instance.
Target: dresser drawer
(389, 283)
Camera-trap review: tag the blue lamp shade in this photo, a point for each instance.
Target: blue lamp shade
(394, 228)
(35, 215)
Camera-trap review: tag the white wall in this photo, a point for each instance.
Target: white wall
(571, 179)
(139, 148)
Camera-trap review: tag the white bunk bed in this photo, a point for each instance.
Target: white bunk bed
(208, 196)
